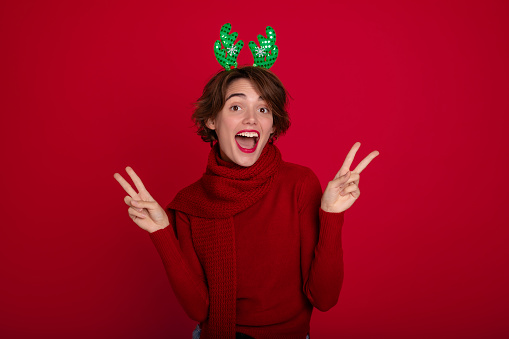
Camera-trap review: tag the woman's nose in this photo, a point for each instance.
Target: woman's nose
(250, 116)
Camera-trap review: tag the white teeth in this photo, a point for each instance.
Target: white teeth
(248, 134)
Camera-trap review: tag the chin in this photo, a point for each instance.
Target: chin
(246, 159)
(246, 162)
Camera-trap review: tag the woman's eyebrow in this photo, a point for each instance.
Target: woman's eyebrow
(236, 95)
(242, 95)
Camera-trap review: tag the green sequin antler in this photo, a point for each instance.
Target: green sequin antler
(265, 55)
(227, 56)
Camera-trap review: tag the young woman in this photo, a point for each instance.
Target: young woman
(253, 245)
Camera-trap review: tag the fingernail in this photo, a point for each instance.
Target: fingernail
(134, 202)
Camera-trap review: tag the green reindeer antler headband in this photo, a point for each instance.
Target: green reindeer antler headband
(264, 56)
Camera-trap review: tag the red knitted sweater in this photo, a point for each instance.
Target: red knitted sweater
(288, 259)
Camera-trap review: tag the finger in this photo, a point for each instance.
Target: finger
(349, 189)
(137, 181)
(345, 179)
(342, 187)
(356, 181)
(135, 214)
(354, 177)
(127, 187)
(150, 205)
(128, 201)
(349, 159)
(365, 162)
(340, 180)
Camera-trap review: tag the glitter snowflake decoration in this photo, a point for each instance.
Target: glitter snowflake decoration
(260, 51)
(232, 50)
(265, 55)
(225, 49)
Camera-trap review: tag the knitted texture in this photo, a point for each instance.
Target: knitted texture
(215, 244)
(288, 259)
(227, 188)
(224, 190)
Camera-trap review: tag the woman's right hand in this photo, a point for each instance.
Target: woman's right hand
(143, 209)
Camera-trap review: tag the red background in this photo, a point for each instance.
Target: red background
(89, 87)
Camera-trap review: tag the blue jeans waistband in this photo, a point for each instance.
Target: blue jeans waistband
(238, 335)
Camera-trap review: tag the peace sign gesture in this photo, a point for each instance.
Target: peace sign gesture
(343, 190)
(143, 209)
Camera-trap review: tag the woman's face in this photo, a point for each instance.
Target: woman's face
(244, 124)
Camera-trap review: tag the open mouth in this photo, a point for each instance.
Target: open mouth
(247, 140)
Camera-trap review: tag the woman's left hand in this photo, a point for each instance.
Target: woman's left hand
(343, 190)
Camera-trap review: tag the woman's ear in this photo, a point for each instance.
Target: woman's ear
(210, 124)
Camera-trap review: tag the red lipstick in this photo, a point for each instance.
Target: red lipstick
(248, 150)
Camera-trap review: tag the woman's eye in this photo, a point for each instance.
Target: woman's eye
(235, 108)
(264, 110)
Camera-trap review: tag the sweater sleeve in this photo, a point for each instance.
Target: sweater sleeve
(321, 248)
(183, 268)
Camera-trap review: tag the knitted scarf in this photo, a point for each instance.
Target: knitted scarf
(224, 190)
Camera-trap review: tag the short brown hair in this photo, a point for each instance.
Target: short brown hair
(213, 98)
